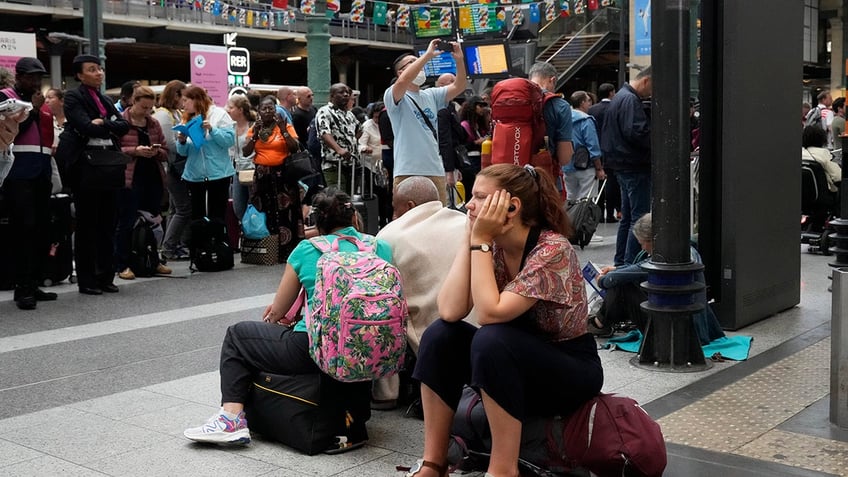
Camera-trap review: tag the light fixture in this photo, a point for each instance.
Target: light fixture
(294, 58)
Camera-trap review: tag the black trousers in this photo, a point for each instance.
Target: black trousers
(94, 239)
(29, 220)
(524, 374)
(253, 346)
(218, 195)
(623, 303)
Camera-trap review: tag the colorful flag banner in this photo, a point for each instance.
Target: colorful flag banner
(517, 16)
(307, 7)
(565, 8)
(357, 11)
(379, 15)
(208, 6)
(250, 17)
(403, 16)
(281, 4)
(333, 7)
(579, 7)
(446, 18)
(592, 4)
(216, 8)
(500, 18)
(481, 13)
(423, 18)
(550, 10)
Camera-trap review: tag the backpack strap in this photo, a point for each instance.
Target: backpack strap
(296, 306)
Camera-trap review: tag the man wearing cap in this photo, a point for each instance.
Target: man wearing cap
(27, 187)
(93, 124)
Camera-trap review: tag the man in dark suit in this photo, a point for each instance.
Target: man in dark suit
(93, 124)
(610, 200)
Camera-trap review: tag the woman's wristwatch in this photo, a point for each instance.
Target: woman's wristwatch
(483, 247)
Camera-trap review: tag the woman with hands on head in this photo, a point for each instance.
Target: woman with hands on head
(273, 139)
(532, 354)
(209, 168)
(253, 346)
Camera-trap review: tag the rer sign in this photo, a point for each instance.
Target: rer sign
(238, 61)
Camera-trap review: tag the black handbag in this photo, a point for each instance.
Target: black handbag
(298, 165)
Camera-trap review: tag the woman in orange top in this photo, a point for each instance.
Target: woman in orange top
(273, 139)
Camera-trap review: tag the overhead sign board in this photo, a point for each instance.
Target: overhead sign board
(238, 61)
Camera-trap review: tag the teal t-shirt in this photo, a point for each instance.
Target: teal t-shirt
(304, 261)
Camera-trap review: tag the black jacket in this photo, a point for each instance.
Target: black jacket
(626, 134)
(80, 110)
(451, 134)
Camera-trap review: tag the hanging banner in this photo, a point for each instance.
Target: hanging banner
(14, 46)
(380, 9)
(465, 18)
(642, 30)
(403, 16)
(307, 7)
(535, 15)
(550, 10)
(209, 70)
(281, 4)
(565, 8)
(357, 11)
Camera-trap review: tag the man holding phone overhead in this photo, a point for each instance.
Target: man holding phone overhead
(27, 187)
(413, 113)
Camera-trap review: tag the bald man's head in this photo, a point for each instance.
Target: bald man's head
(411, 192)
(445, 79)
(287, 96)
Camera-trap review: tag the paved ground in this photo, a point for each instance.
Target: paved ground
(106, 385)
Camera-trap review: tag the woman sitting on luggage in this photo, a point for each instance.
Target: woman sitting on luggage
(273, 139)
(532, 354)
(277, 346)
(624, 295)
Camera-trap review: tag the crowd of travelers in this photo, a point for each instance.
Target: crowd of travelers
(522, 335)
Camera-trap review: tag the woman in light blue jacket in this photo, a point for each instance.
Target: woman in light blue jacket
(209, 168)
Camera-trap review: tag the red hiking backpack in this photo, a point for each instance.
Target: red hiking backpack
(519, 133)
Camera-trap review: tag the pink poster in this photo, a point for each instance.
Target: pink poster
(14, 46)
(209, 70)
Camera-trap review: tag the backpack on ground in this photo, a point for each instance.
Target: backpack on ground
(519, 133)
(585, 215)
(144, 247)
(609, 435)
(357, 316)
(208, 249)
(613, 435)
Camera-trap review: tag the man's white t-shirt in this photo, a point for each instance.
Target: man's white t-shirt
(416, 149)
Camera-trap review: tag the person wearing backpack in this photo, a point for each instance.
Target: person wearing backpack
(280, 345)
(532, 355)
(586, 165)
(413, 112)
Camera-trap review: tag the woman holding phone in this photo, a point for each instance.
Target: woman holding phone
(145, 176)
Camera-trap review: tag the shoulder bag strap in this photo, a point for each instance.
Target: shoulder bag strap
(426, 119)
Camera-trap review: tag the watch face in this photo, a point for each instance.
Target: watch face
(485, 247)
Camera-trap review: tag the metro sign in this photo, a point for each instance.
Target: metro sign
(238, 61)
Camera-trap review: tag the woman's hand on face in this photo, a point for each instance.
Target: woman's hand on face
(492, 220)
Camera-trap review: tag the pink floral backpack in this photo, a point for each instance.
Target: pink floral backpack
(357, 316)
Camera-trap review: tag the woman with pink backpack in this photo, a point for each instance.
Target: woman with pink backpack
(280, 344)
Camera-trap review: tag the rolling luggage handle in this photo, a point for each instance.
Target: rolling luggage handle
(600, 191)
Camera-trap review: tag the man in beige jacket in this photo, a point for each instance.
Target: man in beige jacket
(425, 237)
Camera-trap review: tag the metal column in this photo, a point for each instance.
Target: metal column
(838, 349)
(671, 343)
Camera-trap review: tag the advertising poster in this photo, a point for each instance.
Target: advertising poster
(14, 46)
(209, 70)
(642, 27)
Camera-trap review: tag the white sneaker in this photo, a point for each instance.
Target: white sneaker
(596, 239)
(220, 429)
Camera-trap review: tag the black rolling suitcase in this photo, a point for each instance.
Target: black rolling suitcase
(59, 262)
(365, 204)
